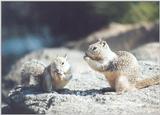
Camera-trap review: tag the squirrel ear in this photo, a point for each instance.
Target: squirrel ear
(103, 43)
(99, 39)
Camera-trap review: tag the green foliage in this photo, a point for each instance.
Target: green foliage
(143, 11)
(126, 12)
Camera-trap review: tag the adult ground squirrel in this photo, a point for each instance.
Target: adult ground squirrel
(52, 77)
(120, 68)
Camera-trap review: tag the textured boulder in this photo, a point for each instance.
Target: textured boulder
(149, 52)
(88, 93)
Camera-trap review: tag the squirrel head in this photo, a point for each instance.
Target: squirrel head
(98, 50)
(60, 64)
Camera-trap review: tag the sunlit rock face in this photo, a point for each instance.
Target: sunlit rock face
(86, 93)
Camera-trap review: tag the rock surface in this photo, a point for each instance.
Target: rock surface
(87, 93)
(149, 52)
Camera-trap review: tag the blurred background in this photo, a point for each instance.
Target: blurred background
(32, 26)
(28, 26)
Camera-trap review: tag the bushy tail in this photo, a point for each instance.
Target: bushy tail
(148, 82)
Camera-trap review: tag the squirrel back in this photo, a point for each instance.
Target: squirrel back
(31, 72)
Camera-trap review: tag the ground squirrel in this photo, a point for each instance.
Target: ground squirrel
(120, 68)
(52, 77)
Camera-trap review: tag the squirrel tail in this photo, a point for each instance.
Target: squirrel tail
(148, 82)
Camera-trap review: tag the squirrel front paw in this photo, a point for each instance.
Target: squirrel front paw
(62, 77)
(86, 58)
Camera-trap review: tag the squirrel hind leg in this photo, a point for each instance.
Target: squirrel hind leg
(123, 85)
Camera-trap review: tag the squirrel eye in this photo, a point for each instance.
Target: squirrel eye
(94, 48)
(62, 63)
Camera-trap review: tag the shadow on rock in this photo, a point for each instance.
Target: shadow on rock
(24, 90)
(86, 92)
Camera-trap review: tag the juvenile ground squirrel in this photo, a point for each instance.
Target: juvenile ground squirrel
(52, 77)
(120, 68)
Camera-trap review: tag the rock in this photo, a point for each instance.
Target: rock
(149, 52)
(121, 36)
(88, 93)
